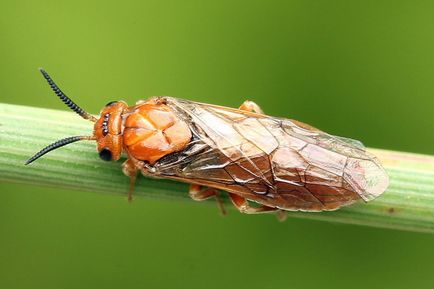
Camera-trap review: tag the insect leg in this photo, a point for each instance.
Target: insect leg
(130, 170)
(251, 106)
(198, 194)
(243, 206)
(281, 215)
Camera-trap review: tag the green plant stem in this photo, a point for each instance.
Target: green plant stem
(408, 203)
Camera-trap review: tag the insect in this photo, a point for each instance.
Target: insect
(277, 163)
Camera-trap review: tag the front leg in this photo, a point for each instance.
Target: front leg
(130, 170)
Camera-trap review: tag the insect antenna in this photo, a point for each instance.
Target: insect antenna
(58, 144)
(66, 99)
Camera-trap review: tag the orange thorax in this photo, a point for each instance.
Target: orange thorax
(152, 130)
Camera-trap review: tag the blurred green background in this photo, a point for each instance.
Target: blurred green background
(361, 69)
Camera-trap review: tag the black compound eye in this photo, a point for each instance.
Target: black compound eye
(105, 154)
(111, 102)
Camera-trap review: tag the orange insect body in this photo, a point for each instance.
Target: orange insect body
(152, 131)
(280, 164)
(147, 131)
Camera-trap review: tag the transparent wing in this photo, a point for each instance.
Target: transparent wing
(331, 161)
(276, 162)
(351, 142)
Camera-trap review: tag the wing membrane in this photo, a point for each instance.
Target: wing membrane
(273, 161)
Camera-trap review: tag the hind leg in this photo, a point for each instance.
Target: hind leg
(198, 194)
(251, 107)
(243, 206)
